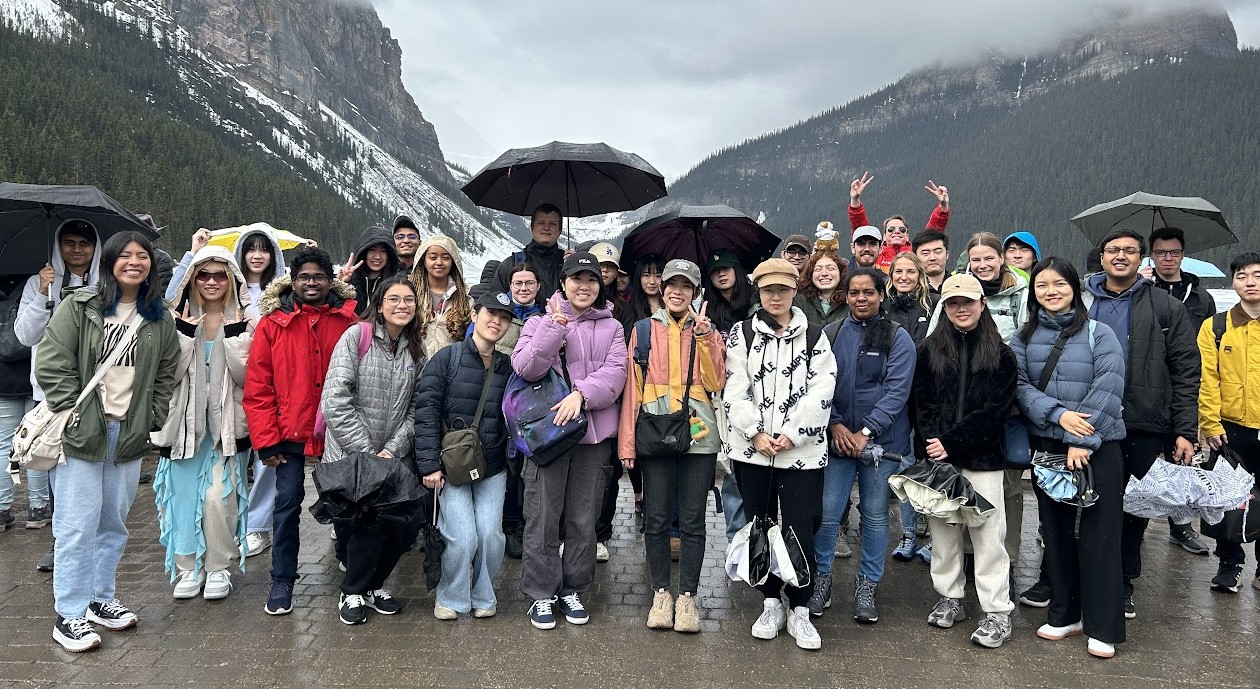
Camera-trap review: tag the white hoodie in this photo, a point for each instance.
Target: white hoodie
(255, 289)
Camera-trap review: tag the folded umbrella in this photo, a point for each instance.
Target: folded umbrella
(748, 556)
(1204, 224)
(787, 557)
(695, 233)
(380, 493)
(434, 545)
(938, 490)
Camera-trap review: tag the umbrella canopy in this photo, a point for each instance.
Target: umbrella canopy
(696, 232)
(229, 236)
(1203, 223)
(378, 492)
(434, 545)
(1174, 490)
(938, 490)
(582, 179)
(1193, 266)
(748, 557)
(30, 214)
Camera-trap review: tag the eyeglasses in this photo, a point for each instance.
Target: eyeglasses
(524, 285)
(316, 279)
(1128, 250)
(203, 276)
(796, 251)
(1168, 253)
(406, 237)
(395, 300)
(776, 292)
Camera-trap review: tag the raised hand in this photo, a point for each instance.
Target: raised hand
(557, 313)
(348, 268)
(703, 326)
(857, 187)
(200, 239)
(186, 316)
(940, 192)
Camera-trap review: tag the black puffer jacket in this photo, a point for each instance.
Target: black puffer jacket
(547, 261)
(974, 436)
(909, 313)
(1191, 293)
(441, 397)
(364, 286)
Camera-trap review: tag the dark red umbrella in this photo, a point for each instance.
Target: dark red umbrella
(696, 232)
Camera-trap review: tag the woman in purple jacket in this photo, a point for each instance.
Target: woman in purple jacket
(579, 320)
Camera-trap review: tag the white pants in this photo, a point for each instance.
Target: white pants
(988, 543)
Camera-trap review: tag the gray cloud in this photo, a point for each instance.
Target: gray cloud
(674, 80)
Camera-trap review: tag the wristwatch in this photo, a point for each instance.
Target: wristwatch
(866, 432)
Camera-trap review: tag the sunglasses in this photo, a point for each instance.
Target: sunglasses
(203, 276)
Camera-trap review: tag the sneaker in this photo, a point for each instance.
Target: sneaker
(514, 545)
(864, 610)
(571, 607)
(904, 552)
(540, 614)
(256, 543)
(661, 616)
(601, 552)
(1036, 596)
(6, 519)
(353, 609)
(444, 613)
(483, 613)
(773, 618)
(686, 616)
(994, 629)
(218, 585)
(921, 527)
(111, 615)
(843, 549)
(800, 628)
(75, 635)
(1228, 578)
(39, 517)
(188, 585)
(383, 602)
(1053, 633)
(146, 477)
(947, 612)
(280, 598)
(821, 598)
(1101, 649)
(924, 554)
(1189, 541)
(1130, 612)
(46, 561)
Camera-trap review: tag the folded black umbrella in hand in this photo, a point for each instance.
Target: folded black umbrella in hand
(380, 493)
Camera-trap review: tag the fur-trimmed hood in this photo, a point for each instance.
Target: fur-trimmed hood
(279, 295)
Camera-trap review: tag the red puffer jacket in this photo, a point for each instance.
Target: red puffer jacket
(287, 364)
(857, 218)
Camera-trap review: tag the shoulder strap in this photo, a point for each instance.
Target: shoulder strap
(642, 343)
(831, 330)
(1218, 327)
(564, 367)
(1093, 327)
(746, 329)
(1052, 361)
(1163, 311)
(114, 356)
(485, 390)
(365, 337)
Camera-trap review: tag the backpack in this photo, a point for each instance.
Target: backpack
(812, 334)
(365, 343)
(11, 350)
(1218, 327)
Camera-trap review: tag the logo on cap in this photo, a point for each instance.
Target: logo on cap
(584, 261)
(503, 299)
(680, 264)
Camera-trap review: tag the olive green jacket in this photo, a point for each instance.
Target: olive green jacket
(67, 358)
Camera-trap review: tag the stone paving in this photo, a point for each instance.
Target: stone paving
(1184, 636)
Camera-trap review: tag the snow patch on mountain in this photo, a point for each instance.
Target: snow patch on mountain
(37, 17)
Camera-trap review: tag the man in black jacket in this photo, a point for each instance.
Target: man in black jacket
(544, 253)
(406, 242)
(1161, 374)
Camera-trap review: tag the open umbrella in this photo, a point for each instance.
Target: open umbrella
(1174, 490)
(30, 214)
(582, 179)
(1203, 223)
(229, 236)
(696, 232)
(380, 493)
(938, 490)
(1193, 266)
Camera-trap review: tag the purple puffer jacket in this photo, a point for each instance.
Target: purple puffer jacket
(596, 352)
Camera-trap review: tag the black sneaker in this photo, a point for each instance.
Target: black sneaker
(513, 545)
(280, 598)
(146, 477)
(1130, 611)
(381, 601)
(46, 562)
(1036, 596)
(1227, 578)
(821, 598)
(864, 610)
(6, 518)
(39, 517)
(353, 609)
(1189, 541)
(112, 615)
(75, 635)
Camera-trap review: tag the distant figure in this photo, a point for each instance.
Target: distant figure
(543, 251)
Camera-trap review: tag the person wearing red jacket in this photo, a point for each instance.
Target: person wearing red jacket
(896, 231)
(302, 316)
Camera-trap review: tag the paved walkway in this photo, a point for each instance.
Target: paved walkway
(1185, 635)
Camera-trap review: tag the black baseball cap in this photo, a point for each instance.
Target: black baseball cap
(498, 301)
(581, 261)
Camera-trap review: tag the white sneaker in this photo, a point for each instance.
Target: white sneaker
(800, 628)
(188, 585)
(218, 584)
(1053, 633)
(601, 552)
(1101, 649)
(773, 618)
(256, 543)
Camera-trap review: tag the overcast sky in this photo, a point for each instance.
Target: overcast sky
(675, 80)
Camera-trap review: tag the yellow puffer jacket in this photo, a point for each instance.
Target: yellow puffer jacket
(1231, 377)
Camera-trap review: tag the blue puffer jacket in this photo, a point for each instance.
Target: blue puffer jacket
(1088, 379)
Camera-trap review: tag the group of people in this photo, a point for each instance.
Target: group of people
(812, 374)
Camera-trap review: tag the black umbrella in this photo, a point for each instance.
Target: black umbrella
(434, 546)
(1203, 223)
(30, 213)
(380, 493)
(582, 179)
(696, 232)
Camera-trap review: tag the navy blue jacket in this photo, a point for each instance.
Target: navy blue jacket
(873, 387)
(440, 398)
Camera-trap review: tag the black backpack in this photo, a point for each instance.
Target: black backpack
(10, 349)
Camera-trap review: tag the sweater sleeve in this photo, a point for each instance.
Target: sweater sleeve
(177, 276)
(345, 422)
(33, 314)
(1106, 390)
(939, 220)
(629, 404)
(1040, 409)
(57, 365)
(857, 216)
(538, 348)
(602, 388)
(742, 413)
(925, 409)
(166, 376)
(897, 383)
(1210, 383)
(809, 416)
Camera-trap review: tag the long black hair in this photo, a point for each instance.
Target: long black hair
(258, 240)
(1067, 271)
(730, 311)
(942, 345)
(149, 300)
(879, 335)
(411, 336)
(640, 307)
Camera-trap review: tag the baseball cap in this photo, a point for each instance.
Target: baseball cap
(962, 285)
(868, 231)
(776, 271)
(495, 300)
(606, 253)
(722, 258)
(799, 240)
(580, 261)
(683, 267)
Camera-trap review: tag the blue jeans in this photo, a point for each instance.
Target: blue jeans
(732, 507)
(470, 519)
(262, 498)
(90, 526)
(11, 412)
(874, 492)
(290, 491)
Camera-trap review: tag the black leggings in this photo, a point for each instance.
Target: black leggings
(797, 493)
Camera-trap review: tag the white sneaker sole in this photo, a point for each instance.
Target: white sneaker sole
(186, 594)
(807, 644)
(768, 634)
(576, 620)
(112, 625)
(542, 625)
(217, 594)
(1059, 633)
(76, 646)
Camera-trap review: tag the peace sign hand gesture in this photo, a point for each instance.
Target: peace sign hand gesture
(703, 326)
(348, 268)
(940, 192)
(857, 187)
(557, 314)
(186, 316)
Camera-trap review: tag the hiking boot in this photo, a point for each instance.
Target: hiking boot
(6, 519)
(442, 612)
(76, 634)
(514, 545)
(864, 610)
(686, 617)
(947, 612)
(1189, 541)
(280, 598)
(924, 555)
(661, 616)
(46, 561)
(111, 615)
(218, 585)
(994, 629)
(1036, 596)
(39, 517)
(821, 598)
(773, 618)
(352, 609)
(904, 552)
(1130, 611)
(256, 543)
(188, 585)
(383, 602)
(601, 552)
(571, 607)
(540, 614)
(800, 628)
(1101, 649)
(1228, 578)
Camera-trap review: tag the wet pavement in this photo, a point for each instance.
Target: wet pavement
(1184, 636)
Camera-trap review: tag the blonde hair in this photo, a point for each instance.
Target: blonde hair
(230, 300)
(922, 292)
(990, 240)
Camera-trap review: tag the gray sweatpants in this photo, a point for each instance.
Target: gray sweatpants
(571, 488)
